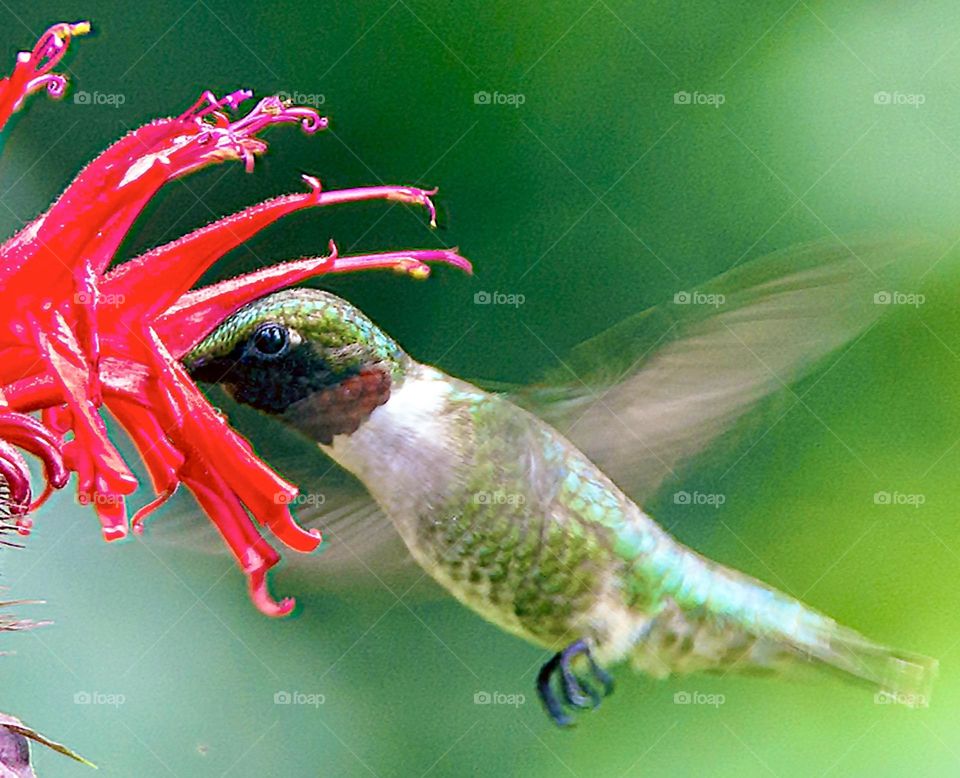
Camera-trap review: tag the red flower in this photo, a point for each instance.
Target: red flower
(76, 337)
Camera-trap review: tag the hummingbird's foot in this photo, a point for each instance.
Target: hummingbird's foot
(576, 692)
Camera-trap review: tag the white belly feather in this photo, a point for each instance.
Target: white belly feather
(403, 453)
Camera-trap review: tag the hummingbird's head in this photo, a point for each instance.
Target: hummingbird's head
(305, 355)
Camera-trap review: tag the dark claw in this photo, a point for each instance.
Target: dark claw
(548, 696)
(577, 693)
(599, 674)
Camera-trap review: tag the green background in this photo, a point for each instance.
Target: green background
(597, 197)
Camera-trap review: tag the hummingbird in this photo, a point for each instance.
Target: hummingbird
(527, 505)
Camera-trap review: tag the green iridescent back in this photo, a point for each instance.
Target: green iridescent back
(530, 534)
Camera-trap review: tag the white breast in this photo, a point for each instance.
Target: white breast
(402, 453)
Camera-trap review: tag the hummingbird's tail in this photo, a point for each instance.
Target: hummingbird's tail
(898, 676)
(720, 620)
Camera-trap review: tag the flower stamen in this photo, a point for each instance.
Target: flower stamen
(32, 70)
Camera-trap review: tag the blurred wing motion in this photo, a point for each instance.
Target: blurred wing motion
(645, 396)
(357, 537)
(639, 399)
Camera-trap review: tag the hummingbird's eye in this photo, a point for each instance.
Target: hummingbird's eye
(271, 340)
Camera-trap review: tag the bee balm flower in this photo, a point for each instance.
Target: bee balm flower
(69, 355)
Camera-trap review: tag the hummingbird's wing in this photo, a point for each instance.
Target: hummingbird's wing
(646, 396)
(360, 544)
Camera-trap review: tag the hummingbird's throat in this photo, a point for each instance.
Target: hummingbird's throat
(340, 408)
